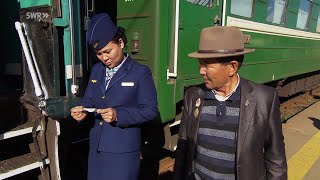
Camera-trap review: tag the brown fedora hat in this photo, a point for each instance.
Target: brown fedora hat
(220, 41)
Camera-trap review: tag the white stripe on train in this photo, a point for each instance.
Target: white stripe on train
(251, 26)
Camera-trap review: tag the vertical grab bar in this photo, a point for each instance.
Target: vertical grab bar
(174, 74)
(74, 87)
(25, 48)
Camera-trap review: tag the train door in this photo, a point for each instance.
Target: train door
(54, 32)
(75, 145)
(191, 16)
(10, 68)
(194, 16)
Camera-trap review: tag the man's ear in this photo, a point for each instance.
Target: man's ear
(234, 67)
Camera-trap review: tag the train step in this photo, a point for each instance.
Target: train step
(25, 128)
(20, 164)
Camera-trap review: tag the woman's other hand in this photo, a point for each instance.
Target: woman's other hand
(78, 113)
(109, 114)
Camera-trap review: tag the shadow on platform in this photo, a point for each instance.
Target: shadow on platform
(316, 122)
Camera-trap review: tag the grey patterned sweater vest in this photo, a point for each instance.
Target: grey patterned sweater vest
(216, 140)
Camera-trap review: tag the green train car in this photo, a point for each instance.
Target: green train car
(161, 33)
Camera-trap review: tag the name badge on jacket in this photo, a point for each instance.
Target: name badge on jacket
(127, 84)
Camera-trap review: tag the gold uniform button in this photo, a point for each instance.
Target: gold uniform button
(103, 97)
(101, 122)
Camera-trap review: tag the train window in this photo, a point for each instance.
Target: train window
(242, 7)
(318, 24)
(205, 3)
(277, 11)
(304, 14)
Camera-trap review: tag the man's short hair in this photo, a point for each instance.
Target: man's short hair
(227, 60)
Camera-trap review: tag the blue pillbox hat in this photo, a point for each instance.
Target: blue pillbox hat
(101, 30)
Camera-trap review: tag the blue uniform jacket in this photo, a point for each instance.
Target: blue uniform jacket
(131, 92)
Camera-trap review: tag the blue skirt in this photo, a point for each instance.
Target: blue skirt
(113, 166)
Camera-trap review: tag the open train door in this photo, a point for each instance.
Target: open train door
(45, 143)
(89, 8)
(74, 141)
(191, 16)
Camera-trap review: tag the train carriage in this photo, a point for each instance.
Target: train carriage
(161, 34)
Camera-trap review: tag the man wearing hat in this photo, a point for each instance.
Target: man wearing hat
(122, 96)
(230, 127)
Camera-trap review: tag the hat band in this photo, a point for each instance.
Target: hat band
(223, 51)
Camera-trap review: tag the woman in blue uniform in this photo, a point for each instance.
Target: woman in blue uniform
(123, 96)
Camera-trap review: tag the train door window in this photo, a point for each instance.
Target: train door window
(318, 24)
(242, 7)
(304, 14)
(277, 11)
(205, 3)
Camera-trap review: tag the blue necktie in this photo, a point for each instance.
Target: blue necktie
(109, 75)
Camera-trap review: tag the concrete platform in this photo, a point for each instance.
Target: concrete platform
(302, 139)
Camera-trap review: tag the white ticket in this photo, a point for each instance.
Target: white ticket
(90, 109)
